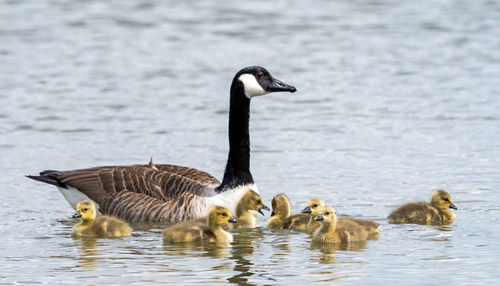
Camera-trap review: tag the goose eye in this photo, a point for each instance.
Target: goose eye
(260, 74)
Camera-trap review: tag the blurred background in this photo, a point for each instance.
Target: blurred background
(395, 99)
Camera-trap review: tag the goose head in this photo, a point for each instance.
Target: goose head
(314, 207)
(85, 210)
(256, 81)
(442, 200)
(251, 200)
(219, 216)
(281, 206)
(327, 215)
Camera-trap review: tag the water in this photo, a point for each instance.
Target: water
(395, 99)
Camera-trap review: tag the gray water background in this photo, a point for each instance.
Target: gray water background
(395, 99)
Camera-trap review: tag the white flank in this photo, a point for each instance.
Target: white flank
(252, 87)
(73, 196)
(229, 199)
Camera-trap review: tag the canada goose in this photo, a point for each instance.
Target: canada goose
(281, 218)
(331, 231)
(436, 212)
(93, 226)
(168, 193)
(315, 206)
(251, 200)
(211, 231)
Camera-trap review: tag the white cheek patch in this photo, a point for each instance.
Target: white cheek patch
(251, 86)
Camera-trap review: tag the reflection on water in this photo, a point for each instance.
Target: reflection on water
(89, 253)
(244, 244)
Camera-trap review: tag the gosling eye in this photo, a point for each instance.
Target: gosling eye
(224, 214)
(259, 201)
(327, 213)
(315, 206)
(85, 209)
(446, 200)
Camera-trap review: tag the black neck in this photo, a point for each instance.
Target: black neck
(237, 171)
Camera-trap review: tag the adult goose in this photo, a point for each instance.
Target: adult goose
(168, 193)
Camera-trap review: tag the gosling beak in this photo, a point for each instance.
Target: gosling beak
(307, 210)
(453, 206)
(77, 215)
(277, 85)
(272, 213)
(319, 217)
(264, 207)
(232, 219)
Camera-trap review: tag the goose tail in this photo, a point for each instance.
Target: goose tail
(49, 177)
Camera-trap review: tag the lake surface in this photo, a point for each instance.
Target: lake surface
(395, 99)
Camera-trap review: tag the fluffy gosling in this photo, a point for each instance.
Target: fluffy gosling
(436, 212)
(251, 200)
(211, 231)
(315, 206)
(281, 218)
(331, 231)
(93, 226)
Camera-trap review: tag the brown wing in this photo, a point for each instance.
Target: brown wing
(159, 184)
(139, 207)
(201, 177)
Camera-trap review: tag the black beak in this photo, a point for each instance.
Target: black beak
(277, 85)
(231, 219)
(319, 217)
(452, 206)
(307, 210)
(272, 213)
(264, 207)
(77, 215)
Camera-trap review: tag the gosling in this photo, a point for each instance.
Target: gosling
(281, 218)
(251, 200)
(437, 212)
(93, 226)
(211, 231)
(331, 231)
(315, 206)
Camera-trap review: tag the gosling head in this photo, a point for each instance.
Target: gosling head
(257, 81)
(219, 216)
(251, 200)
(328, 214)
(442, 200)
(85, 210)
(281, 206)
(314, 207)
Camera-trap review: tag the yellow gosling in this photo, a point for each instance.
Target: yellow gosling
(315, 206)
(93, 226)
(281, 211)
(436, 212)
(281, 218)
(251, 200)
(331, 231)
(211, 231)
